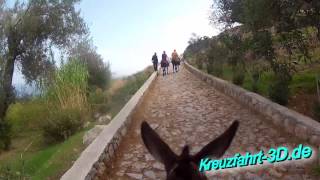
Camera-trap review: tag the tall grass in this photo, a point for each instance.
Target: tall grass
(66, 99)
(69, 87)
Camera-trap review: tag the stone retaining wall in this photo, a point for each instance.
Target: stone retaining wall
(291, 121)
(92, 162)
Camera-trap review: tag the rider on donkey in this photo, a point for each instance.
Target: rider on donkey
(164, 63)
(175, 61)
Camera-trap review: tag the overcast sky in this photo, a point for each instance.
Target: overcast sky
(128, 32)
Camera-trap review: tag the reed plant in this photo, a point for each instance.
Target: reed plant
(69, 87)
(66, 99)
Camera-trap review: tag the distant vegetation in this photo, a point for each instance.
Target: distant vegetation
(267, 46)
(129, 87)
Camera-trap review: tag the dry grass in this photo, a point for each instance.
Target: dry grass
(116, 85)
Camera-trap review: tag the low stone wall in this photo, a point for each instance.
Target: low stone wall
(291, 121)
(92, 162)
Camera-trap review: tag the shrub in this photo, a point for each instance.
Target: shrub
(199, 63)
(279, 92)
(102, 108)
(316, 110)
(26, 116)
(5, 135)
(98, 101)
(97, 96)
(209, 68)
(238, 77)
(316, 170)
(255, 81)
(217, 70)
(62, 124)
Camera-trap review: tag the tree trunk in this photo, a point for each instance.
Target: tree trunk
(7, 86)
(5, 100)
(318, 33)
(7, 95)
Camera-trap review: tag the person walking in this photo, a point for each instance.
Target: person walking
(155, 62)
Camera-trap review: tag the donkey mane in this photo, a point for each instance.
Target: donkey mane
(185, 166)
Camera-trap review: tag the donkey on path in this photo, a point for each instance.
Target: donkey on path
(185, 166)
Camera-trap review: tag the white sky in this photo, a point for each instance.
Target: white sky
(127, 33)
(146, 28)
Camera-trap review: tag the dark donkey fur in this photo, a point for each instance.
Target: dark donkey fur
(185, 166)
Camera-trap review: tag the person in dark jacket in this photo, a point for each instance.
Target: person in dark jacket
(164, 63)
(155, 62)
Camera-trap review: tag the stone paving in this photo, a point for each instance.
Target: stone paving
(185, 110)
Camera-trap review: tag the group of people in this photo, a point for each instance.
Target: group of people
(165, 62)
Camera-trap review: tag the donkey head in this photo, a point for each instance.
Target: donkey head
(185, 166)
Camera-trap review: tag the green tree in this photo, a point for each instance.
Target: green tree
(216, 56)
(99, 72)
(273, 26)
(29, 31)
(196, 49)
(235, 55)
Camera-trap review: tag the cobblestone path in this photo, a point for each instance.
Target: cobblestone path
(185, 110)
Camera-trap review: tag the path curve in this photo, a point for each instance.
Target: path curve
(185, 110)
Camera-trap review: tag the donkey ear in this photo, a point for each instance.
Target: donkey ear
(157, 147)
(218, 146)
